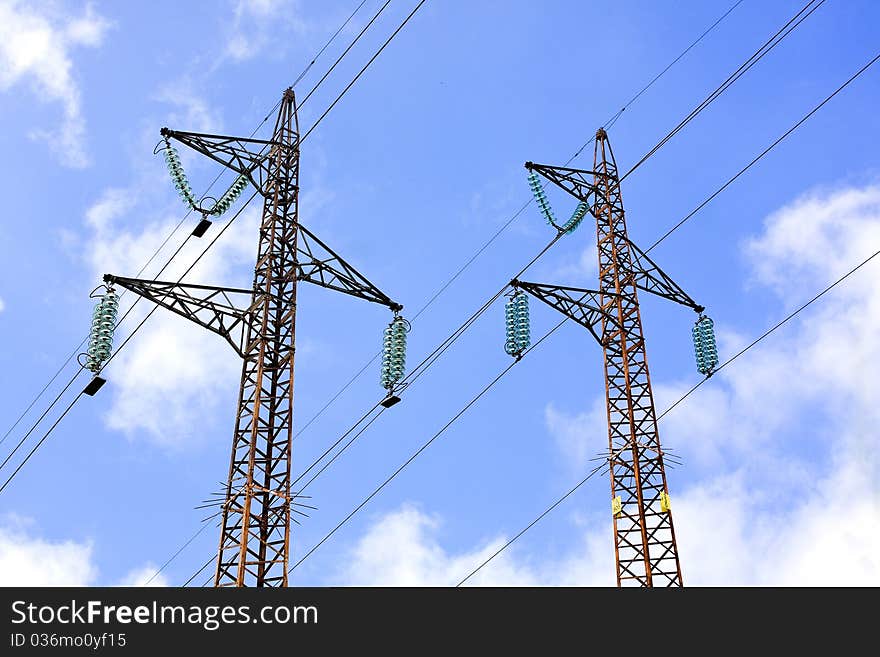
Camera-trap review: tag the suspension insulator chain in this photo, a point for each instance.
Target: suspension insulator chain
(184, 189)
(576, 218)
(394, 352)
(178, 175)
(705, 349)
(541, 199)
(229, 196)
(101, 334)
(518, 327)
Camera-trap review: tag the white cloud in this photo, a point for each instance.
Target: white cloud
(144, 576)
(255, 23)
(35, 47)
(782, 443)
(2, 305)
(580, 437)
(27, 560)
(173, 374)
(30, 560)
(193, 112)
(402, 549)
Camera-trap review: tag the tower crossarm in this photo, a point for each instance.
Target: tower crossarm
(226, 311)
(648, 276)
(244, 156)
(577, 182)
(579, 304)
(317, 263)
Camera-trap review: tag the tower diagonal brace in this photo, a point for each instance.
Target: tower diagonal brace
(244, 156)
(578, 304)
(317, 263)
(648, 276)
(217, 309)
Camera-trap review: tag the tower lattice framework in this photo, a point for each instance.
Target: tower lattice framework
(255, 534)
(644, 536)
(259, 323)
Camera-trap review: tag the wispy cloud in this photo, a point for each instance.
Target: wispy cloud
(35, 50)
(256, 23)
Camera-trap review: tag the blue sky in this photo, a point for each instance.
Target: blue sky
(408, 175)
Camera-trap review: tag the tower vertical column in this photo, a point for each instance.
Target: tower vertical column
(644, 537)
(255, 535)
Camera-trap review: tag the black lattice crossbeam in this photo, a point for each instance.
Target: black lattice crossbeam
(225, 311)
(648, 276)
(317, 263)
(579, 304)
(242, 155)
(577, 182)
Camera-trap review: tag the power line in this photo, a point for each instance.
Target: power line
(345, 52)
(168, 262)
(533, 523)
(510, 221)
(115, 353)
(366, 66)
(757, 56)
(183, 219)
(425, 446)
(713, 195)
(327, 45)
(432, 299)
(179, 550)
(764, 152)
(81, 368)
(416, 372)
(611, 121)
(756, 341)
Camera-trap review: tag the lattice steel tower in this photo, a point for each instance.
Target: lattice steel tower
(260, 324)
(644, 536)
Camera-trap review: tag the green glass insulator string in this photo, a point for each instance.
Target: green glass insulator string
(705, 348)
(518, 335)
(101, 333)
(541, 199)
(184, 189)
(394, 352)
(576, 218)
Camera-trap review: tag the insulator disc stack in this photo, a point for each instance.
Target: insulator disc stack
(229, 197)
(178, 175)
(576, 218)
(184, 189)
(541, 198)
(394, 352)
(518, 328)
(101, 334)
(705, 349)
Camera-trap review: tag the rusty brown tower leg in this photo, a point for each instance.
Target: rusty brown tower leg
(644, 537)
(255, 538)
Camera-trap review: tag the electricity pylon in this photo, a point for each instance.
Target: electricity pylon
(259, 323)
(644, 537)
